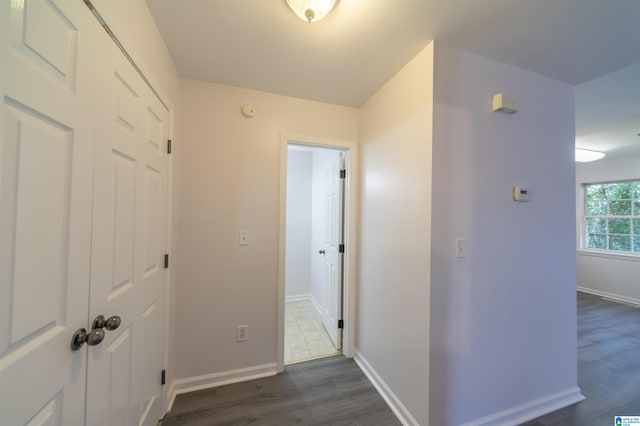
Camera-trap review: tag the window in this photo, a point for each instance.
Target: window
(612, 216)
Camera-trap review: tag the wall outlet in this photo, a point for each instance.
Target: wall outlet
(242, 333)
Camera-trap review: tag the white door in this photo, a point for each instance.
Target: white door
(46, 157)
(333, 238)
(128, 247)
(83, 190)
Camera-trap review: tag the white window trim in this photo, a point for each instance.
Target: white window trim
(623, 255)
(613, 254)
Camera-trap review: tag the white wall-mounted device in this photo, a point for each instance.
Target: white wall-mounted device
(504, 103)
(248, 110)
(521, 194)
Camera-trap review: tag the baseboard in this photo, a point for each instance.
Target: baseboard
(297, 297)
(613, 296)
(530, 410)
(191, 384)
(387, 394)
(316, 304)
(171, 398)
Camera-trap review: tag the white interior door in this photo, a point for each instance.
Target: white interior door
(83, 202)
(333, 238)
(129, 235)
(46, 157)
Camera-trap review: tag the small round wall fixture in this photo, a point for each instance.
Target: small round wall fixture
(311, 10)
(248, 110)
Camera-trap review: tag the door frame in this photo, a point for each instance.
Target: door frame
(103, 13)
(350, 238)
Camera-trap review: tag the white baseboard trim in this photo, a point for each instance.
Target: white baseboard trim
(530, 410)
(616, 297)
(171, 398)
(387, 394)
(191, 384)
(297, 297)
(315, 303)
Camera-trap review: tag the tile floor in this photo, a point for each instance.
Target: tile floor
(304, 335)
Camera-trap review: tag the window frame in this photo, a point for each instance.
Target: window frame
(584, 231)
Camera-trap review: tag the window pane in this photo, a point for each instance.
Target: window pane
(620, 242)
(619, 226)
(620, 208)
(636, 226)
(596, 226)
(597, 241)
(636, 189)
(636, 207)
(636, 244)
(595, 191)
(596, 207)
(618, 191)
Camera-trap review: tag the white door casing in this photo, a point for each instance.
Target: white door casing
(46, 158)
(350, 214)
(71, 99)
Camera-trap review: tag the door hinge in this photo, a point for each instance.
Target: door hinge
(166, 261)
(169, 146)
(343, 174)
(163, 377)
(340, 323)
(341, 248)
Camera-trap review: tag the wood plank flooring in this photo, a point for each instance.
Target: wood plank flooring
(334, 390)
(328, 391)
(608, 365)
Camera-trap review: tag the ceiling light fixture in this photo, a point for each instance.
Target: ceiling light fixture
(586, 156)
(311, 10)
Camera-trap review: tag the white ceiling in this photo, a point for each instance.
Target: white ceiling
(344, 59)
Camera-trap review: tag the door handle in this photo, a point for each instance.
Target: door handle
(110, 323)
(321, 251)
(96, 335)
(91, 338)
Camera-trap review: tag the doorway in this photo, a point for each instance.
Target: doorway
(315, 278)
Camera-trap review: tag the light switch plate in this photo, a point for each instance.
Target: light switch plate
(459, 247)
(244, 238)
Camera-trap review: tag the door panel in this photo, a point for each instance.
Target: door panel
(332, 288)
(129, 224)
(46, 156)
(40, 164)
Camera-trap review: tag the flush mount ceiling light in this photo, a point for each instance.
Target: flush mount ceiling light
(311, 10)
(586, 156)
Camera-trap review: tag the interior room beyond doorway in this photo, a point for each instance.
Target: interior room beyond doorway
(313, 279)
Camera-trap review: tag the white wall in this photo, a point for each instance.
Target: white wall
(395, 223)
(298, 255)
(609, 275)
(230, 181)
(503, 317)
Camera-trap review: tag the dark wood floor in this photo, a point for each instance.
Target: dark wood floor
(329, 391)
(334, 390)
(608, 365)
